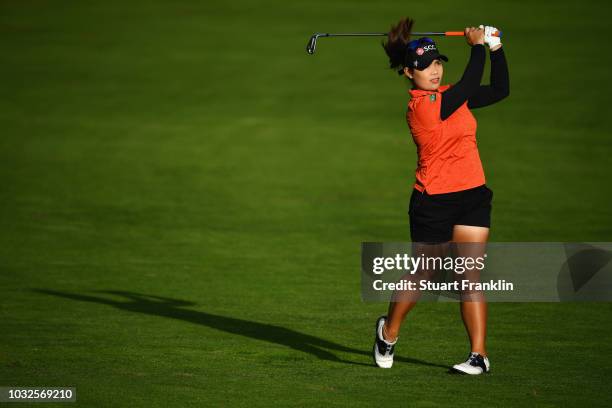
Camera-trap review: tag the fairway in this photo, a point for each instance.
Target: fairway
(184, 194)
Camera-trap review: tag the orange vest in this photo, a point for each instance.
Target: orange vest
(448, 158)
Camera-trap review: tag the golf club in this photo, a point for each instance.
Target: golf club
(312, 44)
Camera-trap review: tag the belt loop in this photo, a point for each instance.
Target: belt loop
(422, 187)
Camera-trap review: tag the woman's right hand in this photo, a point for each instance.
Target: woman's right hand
(474, 35)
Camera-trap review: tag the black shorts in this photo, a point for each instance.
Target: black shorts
(432, 217)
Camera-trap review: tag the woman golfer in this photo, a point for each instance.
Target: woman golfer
(450, 201)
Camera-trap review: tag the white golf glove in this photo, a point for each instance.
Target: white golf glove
(490, 39)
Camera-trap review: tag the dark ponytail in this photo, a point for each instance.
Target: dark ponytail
(397, 40)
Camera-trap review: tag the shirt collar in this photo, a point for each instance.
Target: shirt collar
(420, 92)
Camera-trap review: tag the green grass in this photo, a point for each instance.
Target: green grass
(194, 151)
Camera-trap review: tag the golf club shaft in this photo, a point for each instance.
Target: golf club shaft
(447, 33)
(312, 44)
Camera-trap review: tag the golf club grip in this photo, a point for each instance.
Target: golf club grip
(461, 33)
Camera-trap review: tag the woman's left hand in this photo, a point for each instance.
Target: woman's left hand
(493, 41)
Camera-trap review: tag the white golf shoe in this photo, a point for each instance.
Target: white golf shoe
(382, 350)
(474, 365)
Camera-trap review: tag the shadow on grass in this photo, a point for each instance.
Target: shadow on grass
(175, 309)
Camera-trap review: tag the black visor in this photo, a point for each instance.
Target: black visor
(421, 52)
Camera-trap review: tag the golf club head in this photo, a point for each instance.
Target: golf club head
(312, 44)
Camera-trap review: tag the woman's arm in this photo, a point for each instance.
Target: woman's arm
(500, 82)
(456, 95)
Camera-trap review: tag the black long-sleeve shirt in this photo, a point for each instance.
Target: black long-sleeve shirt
(469, 88)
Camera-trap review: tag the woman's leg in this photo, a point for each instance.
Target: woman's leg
(395, 316)
(403, 302)
(474, 313)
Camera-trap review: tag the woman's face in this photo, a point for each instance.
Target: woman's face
(428, 79)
